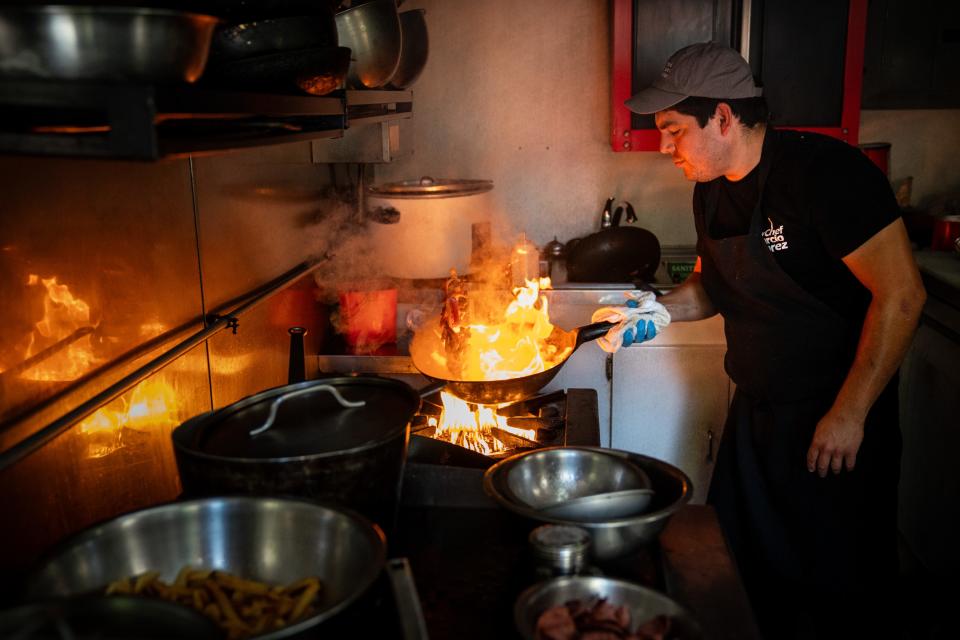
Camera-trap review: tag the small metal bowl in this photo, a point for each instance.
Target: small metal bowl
(602, 506)
(611, 538)
(642, 602)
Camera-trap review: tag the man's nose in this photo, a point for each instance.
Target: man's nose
(666, 146)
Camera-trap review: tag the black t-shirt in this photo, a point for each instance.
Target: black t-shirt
(822, 200)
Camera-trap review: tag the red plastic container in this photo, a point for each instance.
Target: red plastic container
(945, 231)
(368, 319)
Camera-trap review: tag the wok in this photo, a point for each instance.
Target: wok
(614, 254)
(260, 37)
(317, 71)
(427, 340)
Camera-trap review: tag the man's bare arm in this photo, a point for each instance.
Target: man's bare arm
(884, 265)
(689, 301)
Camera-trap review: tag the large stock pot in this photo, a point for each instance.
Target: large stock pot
(340, 440)
(423, 228)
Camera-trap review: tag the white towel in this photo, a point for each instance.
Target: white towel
(627, 317)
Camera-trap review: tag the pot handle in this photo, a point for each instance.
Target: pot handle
(275, 405)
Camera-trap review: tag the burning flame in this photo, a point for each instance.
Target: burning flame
(471, 428)
(517, 345)
(63, 316)
(152, 404)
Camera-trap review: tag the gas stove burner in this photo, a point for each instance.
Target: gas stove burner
(493, 431)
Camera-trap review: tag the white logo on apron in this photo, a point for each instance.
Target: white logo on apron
(773, 237)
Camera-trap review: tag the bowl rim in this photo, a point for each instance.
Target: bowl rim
(523, 600)
(495, 475)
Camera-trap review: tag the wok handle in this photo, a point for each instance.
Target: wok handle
(593, 331)
(431, 388)
(643, 285)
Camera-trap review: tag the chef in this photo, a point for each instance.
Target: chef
(802, 251)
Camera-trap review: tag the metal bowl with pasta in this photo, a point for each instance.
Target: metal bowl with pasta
(238, 553)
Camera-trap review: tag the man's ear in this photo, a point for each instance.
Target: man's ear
(724, 116)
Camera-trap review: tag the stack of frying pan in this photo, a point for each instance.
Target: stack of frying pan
(276, 45)
(315, 46)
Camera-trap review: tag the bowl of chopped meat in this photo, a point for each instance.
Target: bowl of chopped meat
(594, 606)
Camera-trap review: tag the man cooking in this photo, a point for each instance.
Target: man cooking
(803, 252)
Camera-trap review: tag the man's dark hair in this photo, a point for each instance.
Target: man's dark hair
(751, 111)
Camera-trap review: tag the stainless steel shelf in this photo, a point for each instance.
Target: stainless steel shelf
(145, 122)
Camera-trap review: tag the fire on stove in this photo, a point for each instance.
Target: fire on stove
(494, 431)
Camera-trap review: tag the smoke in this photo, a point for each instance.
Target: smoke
(351, 256)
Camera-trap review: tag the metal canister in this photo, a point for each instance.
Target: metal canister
(560, 550)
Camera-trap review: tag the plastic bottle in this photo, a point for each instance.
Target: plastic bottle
(524, 262)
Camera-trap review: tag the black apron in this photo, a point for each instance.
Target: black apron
(815, 553)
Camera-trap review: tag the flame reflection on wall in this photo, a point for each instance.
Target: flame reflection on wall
(151, 405)
(63, 316)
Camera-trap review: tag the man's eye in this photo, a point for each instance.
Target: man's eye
(673, 132)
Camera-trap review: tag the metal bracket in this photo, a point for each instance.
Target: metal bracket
(233, 322)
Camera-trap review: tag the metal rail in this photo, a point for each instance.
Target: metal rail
(216, 322)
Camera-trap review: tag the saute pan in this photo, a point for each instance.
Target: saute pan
(427, 340)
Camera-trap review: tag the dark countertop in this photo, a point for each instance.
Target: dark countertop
(470, 565)
(941, 265)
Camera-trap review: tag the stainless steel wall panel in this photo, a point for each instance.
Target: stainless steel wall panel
(119, 238)
(117, 460)
(262, 212)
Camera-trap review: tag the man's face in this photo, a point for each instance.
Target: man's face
(698, 152)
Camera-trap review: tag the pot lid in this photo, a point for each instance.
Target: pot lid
(308, 420)
(427, 187)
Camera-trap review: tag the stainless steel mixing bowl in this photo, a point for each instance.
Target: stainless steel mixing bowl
(611, 538)
(103, 43)
(415, 50)
(372, 32)
(642, 602)
(272, 540)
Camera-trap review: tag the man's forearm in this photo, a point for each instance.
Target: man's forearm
(689, 301)
(887, 331)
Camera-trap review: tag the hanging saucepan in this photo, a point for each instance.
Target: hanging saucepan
(426, 342)
(341, 440)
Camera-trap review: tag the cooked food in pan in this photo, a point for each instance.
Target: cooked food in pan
(241, 607)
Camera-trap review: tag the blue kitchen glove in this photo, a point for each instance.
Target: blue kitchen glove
(643, 331)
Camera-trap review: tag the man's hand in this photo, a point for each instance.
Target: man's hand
(643, 331)
(835, 444)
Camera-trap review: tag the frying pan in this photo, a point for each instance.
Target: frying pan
(426, 340)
